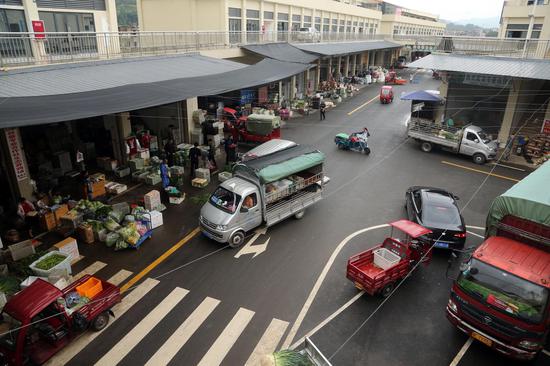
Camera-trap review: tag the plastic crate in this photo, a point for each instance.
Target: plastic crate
(123, 208)
(21, 250)
(90, 288)
(63, 265)
(384, 258)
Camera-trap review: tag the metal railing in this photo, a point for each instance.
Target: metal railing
(20, 49)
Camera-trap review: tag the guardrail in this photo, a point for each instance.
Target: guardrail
(20, 49)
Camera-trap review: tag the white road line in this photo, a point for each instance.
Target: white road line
(90, 270)
(317, 286)
(324, 322)
(475, 227)
(269, 341)
(133, 337)
(509, 167)
(227, 339)
(76, 346)
(119, 277)
(178, 339)
(547, 353)
(474, 234)
(462, 351)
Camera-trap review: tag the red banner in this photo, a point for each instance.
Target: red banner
(17, 158)
(546, 127)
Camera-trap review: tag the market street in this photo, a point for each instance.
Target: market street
(207, 309)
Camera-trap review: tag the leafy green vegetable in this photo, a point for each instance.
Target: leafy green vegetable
(9, 285)
(50, 262)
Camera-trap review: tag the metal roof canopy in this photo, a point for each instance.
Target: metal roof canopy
(339, 48)
(422, 96)
(58, 107)
(282, 52)
(487, 65)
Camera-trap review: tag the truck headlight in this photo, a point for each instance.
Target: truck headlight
(453, 306)
(221, 227)
(530, 345)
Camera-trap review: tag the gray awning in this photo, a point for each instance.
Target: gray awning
(487, 65)
(55, 107)
(339, 48)
(282, 52)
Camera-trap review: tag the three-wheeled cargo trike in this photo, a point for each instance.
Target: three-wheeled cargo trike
(378, 270)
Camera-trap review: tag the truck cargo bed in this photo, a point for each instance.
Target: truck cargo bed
(290, 206)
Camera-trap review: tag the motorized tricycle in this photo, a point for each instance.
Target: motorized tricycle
(357, 141)
(386, 94)
(379, 270)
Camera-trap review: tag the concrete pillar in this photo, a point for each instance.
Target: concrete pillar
(185, 116)
(318, 75)
(510, 112)
(339, 71)
(306, 82)
(110, 6)
(329, 73)
(280, 92)
(243, 20)
(346, 68)
(354, 65)
(31, 13)
(292, 87)
(16, 163)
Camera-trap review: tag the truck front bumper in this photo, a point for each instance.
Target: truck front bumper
(497, 345)
(219, 236)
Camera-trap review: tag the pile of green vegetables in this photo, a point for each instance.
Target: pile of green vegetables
(50, 262)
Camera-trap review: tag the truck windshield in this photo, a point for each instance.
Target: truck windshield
(504, 292)
(483, 136)
(225, 200)
(9, 330)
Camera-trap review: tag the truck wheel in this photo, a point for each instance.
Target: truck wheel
(387, 290)
(479, 159)
(299, 214)
(100, 322)
(426, 147)
(237, 239)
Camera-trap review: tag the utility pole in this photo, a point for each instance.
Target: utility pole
(531, 25)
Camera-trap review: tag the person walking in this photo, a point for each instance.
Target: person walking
(194, 155)
(322, 110)
(212, 155)
(170, 150)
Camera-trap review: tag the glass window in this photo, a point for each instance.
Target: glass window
(250, 201)
(235, 12)
(253, 25)
(254, 14)
(225, 200)
(282, 16)
(349, 22)
(235, 25)
(318, 27)
(342, 22)
(295, 27)
(334, 21)
(334, 28)
(282, 26)
(12, 21)
(296, 18)
(318, 20)
(268, 14)
(326, 20)
(67, 22)
(355, 23)
(307, 19)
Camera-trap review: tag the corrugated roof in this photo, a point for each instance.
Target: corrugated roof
(282, 52)
(90, 76)
(340, 48)
(488, 65)
(55, 107)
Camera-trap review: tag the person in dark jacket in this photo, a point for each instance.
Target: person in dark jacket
(322, 110)
(212, 154)
(170, 150)
(194, 155)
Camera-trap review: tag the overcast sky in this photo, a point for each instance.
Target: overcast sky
(455, 10)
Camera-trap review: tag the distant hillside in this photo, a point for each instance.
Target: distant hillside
(491, 22)
(126, 12)
(470, 30)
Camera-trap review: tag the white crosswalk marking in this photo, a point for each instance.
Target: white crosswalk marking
(91, 269)
(172, 346)
(132, 338)
(119, 277)
(73, 348)
(269, 341)
(227, 339)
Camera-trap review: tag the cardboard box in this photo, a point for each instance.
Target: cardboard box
(69, 246)
(176, 200)
(47, 221)
(156, 219)
(21, 250)
(199, 182)
(59, 212)
(119, 188)
(144, 154)
(203, 173)
(85, 233)
(152, 200)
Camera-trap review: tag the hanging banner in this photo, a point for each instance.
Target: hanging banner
(16, 153)
(546, 127)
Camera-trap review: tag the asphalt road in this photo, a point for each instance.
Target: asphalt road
(258, 299)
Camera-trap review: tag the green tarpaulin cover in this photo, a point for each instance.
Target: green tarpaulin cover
(528, 199)
(279, 171)
(344, 136)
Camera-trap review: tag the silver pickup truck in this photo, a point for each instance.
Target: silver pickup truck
(280, 183)
(469, 140)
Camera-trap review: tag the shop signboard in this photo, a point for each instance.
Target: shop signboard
(38, 29)
(16, 153)
(546, 127)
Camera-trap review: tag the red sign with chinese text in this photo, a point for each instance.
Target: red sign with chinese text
(16, 153)
(546, 127)
(38, 28)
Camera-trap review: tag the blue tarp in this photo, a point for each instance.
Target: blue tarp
(421, 95)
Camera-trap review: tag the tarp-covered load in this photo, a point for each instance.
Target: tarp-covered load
(259, 124)
(528, 199)
(281, 164)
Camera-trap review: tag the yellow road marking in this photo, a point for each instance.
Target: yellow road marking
(159, 260)
(480, 171)
(363, 105)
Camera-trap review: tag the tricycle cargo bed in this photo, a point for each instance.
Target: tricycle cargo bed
(102, 301)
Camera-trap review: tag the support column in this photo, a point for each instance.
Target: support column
(329, 73)
(339, 72)
(509, 113)
(280, 92)
(243, 21)
(346, 68)
(306, 83)
(354, 65)
(292, 87)
(318, 75)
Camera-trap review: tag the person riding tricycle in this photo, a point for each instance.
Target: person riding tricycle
(386, 94)
(357, 141)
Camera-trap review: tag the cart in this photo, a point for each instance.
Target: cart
(148, 234)
(378, 270)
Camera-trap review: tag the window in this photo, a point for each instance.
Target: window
(471, 136)
(282, 16)
(235, 12)
(296, 18)
(268, 15)
(318, 20)
(254, 14)
(342, 22)
(318, 27)
(355, 24)
(307, 19)
(67, 22)
(349, 22)
(225, 200)
(250, 201)
(335, 21)
(12, 21)
(326, 28)
(252, 25)
(295, 27)
(326, 20)
(307, 25)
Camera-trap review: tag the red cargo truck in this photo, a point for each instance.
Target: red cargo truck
(501, 296)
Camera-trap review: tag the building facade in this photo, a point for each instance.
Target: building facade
(59, 15)
(525, 19)
(344, 16)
